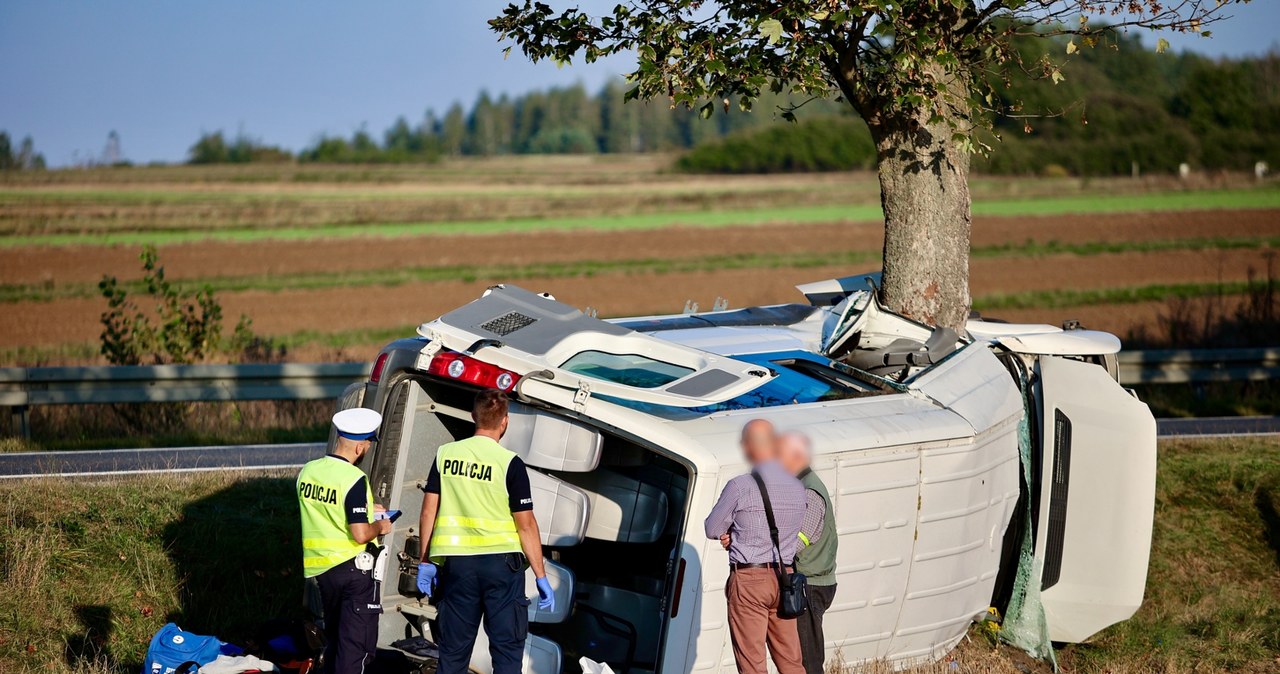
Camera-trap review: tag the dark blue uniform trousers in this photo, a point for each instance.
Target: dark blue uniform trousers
(489, 587)
(351, 610)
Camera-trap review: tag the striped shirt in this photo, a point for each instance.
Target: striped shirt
(740, 513)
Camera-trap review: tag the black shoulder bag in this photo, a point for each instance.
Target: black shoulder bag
(793, 588)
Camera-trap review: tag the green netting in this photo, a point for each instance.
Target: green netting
(1024, 624)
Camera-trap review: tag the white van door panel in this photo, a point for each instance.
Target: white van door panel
(1097, 478)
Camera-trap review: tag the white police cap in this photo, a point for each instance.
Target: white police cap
(357, 423)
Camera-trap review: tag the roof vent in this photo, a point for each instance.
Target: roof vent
(508, 323)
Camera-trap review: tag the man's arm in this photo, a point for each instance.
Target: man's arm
(430, 506)
(815, 515)
(427, 522)
(358, 506)
(530, 541)
(520, 500)
(721, 517)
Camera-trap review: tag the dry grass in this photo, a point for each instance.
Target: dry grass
(59, 427)
(92, 570)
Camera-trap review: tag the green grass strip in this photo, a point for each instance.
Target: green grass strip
(393, 277)
(1057, 299)
(1084, 204)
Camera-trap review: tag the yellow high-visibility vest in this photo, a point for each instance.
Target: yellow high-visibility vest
(326, 539)
(475, 514)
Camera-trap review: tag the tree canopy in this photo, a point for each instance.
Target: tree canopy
(921, 73)
(884, 57)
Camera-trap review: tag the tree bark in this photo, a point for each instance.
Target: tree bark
(924, 189)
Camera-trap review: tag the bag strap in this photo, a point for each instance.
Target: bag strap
(768, 514)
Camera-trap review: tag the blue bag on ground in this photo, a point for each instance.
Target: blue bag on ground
(173, 651)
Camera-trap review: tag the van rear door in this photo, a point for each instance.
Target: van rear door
(1096, 497)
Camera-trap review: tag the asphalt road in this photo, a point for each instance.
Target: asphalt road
(1215, 427)
(168, 460)
(266, 457)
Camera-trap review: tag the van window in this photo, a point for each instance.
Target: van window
(802, 378)
(627, 369)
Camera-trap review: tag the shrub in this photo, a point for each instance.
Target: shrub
(213, 148)
(187, 327)
(820, 144)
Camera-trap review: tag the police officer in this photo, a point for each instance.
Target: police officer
(340, 527)
(477, 519)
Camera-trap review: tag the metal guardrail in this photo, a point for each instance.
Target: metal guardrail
(23, 388)
(1182, 366)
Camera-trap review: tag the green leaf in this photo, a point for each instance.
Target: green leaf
(771, 30)
(715, 66)
(1056, 76)
(1071, 47)
(1162, 45)
(706, 111)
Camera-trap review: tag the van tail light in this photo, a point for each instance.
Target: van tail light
(375, 376)
(456, 366)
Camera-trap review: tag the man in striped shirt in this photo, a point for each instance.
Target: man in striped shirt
(738, 520)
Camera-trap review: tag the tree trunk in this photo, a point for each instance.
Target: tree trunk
(924, 189)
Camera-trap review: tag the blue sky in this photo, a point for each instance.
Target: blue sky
(160, 71)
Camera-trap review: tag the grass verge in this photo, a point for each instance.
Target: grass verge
(93, 569)
(1213, 588)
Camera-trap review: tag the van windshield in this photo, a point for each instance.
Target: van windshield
(627, 369)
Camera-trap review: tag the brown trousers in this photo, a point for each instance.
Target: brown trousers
(754, 622)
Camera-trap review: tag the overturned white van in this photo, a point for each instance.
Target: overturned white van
(952, 459)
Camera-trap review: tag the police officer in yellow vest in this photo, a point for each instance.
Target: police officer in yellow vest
(340, 527)
(477, 516)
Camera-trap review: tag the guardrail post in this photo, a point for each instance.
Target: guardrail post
(20, 422)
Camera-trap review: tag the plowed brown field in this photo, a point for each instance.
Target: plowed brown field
(62, 265)
(350, 308)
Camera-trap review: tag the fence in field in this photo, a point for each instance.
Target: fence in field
(23, 388)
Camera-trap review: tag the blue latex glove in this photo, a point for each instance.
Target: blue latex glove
(427, 577)
(546, 598)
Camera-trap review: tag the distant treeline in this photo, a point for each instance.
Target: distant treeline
(22, 158)
(1120, 105)
(564, 120)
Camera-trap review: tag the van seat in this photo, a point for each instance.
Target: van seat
(623, 509)
(562, 584)
(541, 655)
(562, 509)
(551, 442)
(902, 353)
(620, 627)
